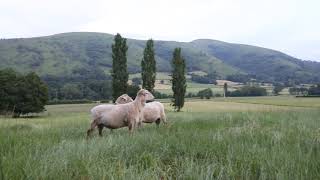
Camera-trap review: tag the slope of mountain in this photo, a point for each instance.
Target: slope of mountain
(263, 63)
(68, 53)
(65, 53)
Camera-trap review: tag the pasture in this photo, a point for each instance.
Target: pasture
(232, 138)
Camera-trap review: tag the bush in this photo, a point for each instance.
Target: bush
(159, 95)
(203, 79)
(206, 93)
(249, 91)
(314, 90)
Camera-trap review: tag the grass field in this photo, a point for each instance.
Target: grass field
(232, 138)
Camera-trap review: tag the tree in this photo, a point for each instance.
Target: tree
(277, 89)
(136, 81)
(225, 89)
(32, 96)
(148, 65)
(206, 93)
(178, 79)
(314, 90)
(8, 89)
(249, 91)
(119, 67)
(71, 91)
(133, 90)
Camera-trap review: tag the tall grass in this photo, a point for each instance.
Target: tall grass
(206, 145)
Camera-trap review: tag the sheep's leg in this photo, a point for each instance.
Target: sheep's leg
(164, 118)
(93, 125)
(100, 126)
(158, 122)
(131, 126)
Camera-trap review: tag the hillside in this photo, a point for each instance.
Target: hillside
(265, 64)
(70, 53)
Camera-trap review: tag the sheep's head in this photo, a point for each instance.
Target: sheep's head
(123, 99)
(145, 95)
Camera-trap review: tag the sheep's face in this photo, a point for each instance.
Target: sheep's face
(123, 99)
(145, 95)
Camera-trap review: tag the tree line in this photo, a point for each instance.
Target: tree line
(120, 75)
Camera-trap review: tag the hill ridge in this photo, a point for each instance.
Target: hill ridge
(63, 53)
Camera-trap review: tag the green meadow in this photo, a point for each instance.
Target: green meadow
(222, 138)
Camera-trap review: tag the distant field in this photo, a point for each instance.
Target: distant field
(276, 100)
(223, 138)
(160, 75)
(193, 87)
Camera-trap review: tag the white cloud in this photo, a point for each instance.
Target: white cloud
(287, 25)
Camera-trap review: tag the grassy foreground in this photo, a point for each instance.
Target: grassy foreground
(209, 140)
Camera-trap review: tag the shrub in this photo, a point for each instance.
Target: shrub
(249, 91)
(206, 93)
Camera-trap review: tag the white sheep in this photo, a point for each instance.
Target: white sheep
(119, 115)
(98, 110)
(124, 98)
(152, 112)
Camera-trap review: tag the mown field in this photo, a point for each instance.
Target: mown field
(233, 138)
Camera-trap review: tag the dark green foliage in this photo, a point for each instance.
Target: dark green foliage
(239, 78)
(278, 87)
(22, 94)
(206, 79)
(148, 67)
(314, 90)
(159, 95)
(225, 89)
(92, 82)
(249, 91)
(178, 79)
(133, 90)
(8, 89)
(298, 91)
(136, 81)
(119, 72)
(206, 93)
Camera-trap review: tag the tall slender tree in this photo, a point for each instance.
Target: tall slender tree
(119, 67)
(148, 65)
(178, 79)
(225, 89)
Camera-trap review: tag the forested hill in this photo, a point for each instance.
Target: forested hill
(69, 54)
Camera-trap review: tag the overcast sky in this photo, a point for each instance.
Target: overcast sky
(291, 26)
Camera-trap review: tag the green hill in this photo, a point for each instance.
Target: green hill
(264, 64)
(70, 53)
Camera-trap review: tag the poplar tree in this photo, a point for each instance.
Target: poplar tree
(225, 89)
(119, 67)
(178, 79)
(148, 65)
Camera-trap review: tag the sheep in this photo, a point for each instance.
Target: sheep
(124, 98)
(98, 110)
(119, 115)
(152, 112)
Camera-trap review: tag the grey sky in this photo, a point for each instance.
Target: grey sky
(291, 26)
